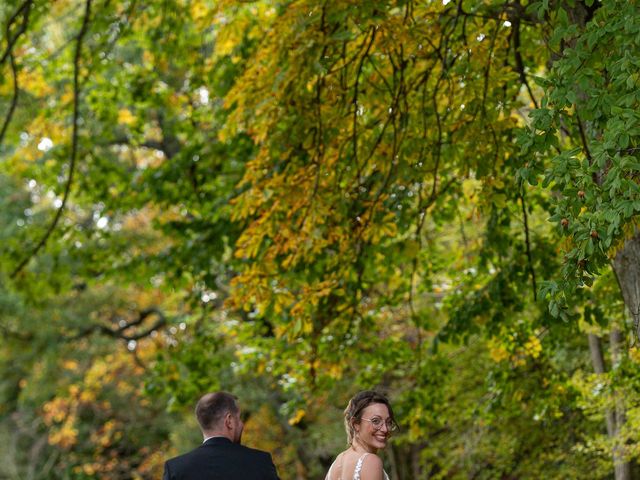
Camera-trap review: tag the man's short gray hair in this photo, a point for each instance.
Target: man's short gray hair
(212, 408)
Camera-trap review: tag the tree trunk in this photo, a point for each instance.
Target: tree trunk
(404, 461)
(614, 418)
(393, 461)
(416, 465)
(626, 266)
(622, 467)
(597, 359)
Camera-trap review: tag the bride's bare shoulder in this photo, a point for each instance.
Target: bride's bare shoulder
(372, 467)
(335, 471)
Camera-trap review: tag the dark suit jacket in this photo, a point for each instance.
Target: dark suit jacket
(221, 459)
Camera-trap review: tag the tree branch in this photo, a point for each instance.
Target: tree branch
(355, 99)
(527, 242)
(74, 141)
(519, 62)
(120, 332)
(25, 11)
(583, 139)
(14, 99)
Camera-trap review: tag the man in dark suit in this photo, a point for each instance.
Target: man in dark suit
(220, 457)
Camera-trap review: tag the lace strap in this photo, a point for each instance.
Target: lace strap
(356, 472)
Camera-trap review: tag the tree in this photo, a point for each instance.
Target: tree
(334, 195)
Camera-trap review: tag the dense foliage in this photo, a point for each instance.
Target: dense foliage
(295, 200)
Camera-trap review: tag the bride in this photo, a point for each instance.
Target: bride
(369, 422)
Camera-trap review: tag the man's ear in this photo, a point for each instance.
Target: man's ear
(228, 421)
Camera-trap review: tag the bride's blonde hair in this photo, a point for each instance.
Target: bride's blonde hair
(360, 401)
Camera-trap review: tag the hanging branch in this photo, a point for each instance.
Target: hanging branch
(519, 62)
(527, 240)
(583, 139)
(25, 11)
(487, 70)
(14, 99)
(355, 99)
(74, 141)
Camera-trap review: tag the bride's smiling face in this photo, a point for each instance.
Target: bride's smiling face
(372, 432)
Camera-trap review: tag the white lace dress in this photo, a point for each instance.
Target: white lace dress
(356, 472)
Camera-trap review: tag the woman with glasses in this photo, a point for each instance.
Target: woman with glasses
(369, 422)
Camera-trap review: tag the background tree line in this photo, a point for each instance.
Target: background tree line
(295, 200)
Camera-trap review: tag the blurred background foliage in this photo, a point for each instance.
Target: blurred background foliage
(296, 200)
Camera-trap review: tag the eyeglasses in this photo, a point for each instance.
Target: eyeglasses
(377, 423)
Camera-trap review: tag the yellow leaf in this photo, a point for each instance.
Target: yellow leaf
(125, 117)
(498, 354)
(198, 10)
(299, 415)
(533, 346)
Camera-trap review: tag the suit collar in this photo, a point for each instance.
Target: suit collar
(217, 441)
